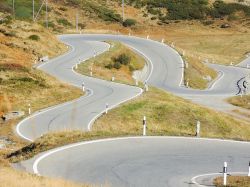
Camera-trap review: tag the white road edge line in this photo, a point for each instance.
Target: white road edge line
(46, 110)
(46, 154)
(219, 77)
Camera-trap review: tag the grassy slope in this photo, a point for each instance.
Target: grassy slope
(98, 64)
(21, 85)
(233, 181)
(170, 115)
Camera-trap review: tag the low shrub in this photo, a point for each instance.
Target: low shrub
(117, 65)
(34, 37)
(123, 59)
(129, 22)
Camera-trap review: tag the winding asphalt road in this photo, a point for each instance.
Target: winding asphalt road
(152, 161)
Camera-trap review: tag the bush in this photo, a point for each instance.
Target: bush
(221, 9)
(117, 65)
(34, 37)
(129, 22)
(123, 59)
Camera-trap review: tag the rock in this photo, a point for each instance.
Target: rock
(225, 25)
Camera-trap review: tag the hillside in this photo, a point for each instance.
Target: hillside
(197, 36)
(206, 31)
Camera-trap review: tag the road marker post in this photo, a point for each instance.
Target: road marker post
(162, 41)
(225, 174)
(248, 170)
(198, 128)
(91, 72)
(136, 82)
(146, 86)
(29, 109)
(113, 78)
(186, 65)
(106, 108)
(147, 37)
(83, 86)
(76, 66)
(144, 122)
(187, 83)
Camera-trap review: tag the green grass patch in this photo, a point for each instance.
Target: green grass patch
(170, 115)
(23, 8)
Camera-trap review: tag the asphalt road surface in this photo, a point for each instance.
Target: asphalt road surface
(131, 162)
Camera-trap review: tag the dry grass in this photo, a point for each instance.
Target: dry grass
(12, 178)
(233, 181)
(243, 101)
(123, 75)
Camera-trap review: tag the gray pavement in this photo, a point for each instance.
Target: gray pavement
(143, 161)
(133, 162)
